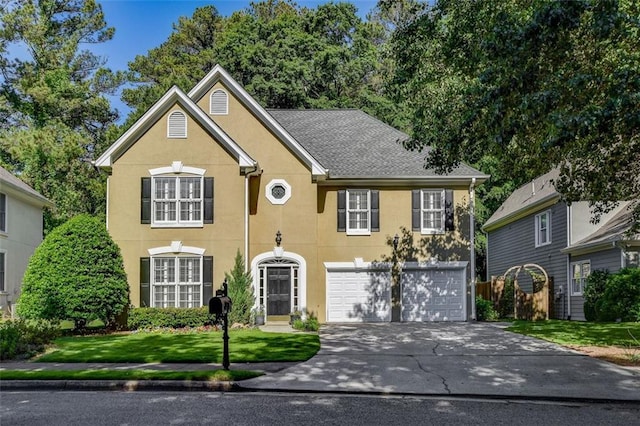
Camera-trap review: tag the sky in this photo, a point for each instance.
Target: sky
(142, 25)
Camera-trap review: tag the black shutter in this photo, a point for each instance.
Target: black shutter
(145, 200)
(207, 279)
(448, 210)
(145, 280)
(208, 200)
(342, 210)
(375, 210)
(415, 210)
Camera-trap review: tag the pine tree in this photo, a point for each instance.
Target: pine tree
(240, 291)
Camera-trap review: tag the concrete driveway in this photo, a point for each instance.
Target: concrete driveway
(463, 359)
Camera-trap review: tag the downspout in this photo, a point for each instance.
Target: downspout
(569, 238)
(472, 233)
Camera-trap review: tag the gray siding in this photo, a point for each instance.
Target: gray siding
(609, 260)
(514, 244)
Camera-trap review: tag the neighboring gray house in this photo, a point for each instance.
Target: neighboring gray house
(534, 226)
(21, 231)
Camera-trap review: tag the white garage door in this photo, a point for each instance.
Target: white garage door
(358, 296)
(434, 293)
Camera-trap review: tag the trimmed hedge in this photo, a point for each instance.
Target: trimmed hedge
(149, 318)
(24, 338)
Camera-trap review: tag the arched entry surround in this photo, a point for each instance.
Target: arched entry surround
(280, 260)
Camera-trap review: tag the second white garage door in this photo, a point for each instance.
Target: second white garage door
(435, 293)
(358, 295)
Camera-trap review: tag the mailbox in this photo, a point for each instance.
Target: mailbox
(219, 305)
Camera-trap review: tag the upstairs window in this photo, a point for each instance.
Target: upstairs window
(3, 213)
(543, 228)
(358, 211)
(177, 125)
(219, 103)
(432, 211)
(176, 196)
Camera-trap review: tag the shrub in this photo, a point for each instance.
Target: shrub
(505, 305)
(240, 291)
(621, 298)
(484, 310)
(593, 291)
(148, 318)
(25, 338)
(308, 324)
(76, 274)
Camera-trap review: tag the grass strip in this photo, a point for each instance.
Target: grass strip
(201, 347)
(580, 333)
(213, 375)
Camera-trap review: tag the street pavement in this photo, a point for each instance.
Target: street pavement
(439, 359)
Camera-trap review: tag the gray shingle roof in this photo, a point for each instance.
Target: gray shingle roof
(351, 143)
(615, 229)
(9, 179)
(527, 196)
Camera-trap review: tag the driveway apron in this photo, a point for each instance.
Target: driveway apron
(464, 359)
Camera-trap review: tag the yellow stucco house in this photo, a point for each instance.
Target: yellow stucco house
(311, 198)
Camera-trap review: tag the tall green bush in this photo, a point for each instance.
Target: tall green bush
(593, 292)
(240, 290)
(621, 298)
(76, 274)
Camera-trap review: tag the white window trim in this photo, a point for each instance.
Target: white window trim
(177, 223)
(302, 275)
(226, 106)
(583, 279)
(5, 230)
(182, 135)
(3, 284)
(358, 231)
(176, 251)
(537, 219)
(431, 231)
(269, 195)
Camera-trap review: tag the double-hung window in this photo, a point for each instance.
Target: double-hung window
(3, 213)
(177, 200)
(177, 282)
(358, 211)
(579, 273)
(432, 211)
(543, 228)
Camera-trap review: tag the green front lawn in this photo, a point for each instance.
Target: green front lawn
(578, 333)
(204, 347)
(137, 374)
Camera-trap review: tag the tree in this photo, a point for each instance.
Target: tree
(535, 85)
(285, 56)
(54, 111)
(76, 274)
(240, 291)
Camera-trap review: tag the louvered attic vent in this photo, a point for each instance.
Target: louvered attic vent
(177, 125)
(219, 104)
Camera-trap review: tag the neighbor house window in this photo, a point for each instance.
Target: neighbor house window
(579, 273)
(432, 211)
(2, 269)
(177, 200)
(632, 259)
(358, 211)
(176, 282)
(177, 125)
(3, 213)
(543, 228)
(219, 103)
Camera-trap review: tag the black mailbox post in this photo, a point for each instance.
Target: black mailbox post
(220, 306)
